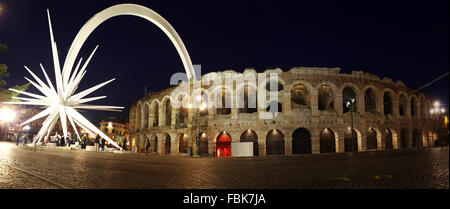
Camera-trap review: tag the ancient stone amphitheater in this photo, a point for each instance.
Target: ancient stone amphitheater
(312, 118)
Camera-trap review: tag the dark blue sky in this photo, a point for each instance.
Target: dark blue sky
(403, 40)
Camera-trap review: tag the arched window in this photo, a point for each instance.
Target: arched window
(402, 105)
(223, 102)
(155, 114)
(325, 97)
(387, 101)
(348, 94)
(272, 86)
(146, 115)
(168, 112)
(370, 101)
(181, 117)
(248, 102)
(300, 97)
(423, 109)
(413, 107)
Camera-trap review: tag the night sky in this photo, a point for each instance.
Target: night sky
(403, 40)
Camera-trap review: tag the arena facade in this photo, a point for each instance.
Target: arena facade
(311, 114)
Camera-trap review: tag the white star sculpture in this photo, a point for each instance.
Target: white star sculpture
(63, 101)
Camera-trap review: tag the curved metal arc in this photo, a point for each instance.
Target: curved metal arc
(128, 9)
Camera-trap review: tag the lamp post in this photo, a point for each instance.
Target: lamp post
(198, 110)
(351, 104)
(438, 111)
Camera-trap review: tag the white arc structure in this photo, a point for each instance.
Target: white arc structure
(62, 102)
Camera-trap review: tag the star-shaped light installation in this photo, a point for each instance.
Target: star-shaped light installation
(62, 102)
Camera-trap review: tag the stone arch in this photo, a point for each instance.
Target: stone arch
(167, 110)
(423, 106)
(388, 101)
(167, 143)
(370, 99)
(373, 138)
(328, 140)
(300, 97)
(301, 141)
(223, 144)
(349, 92)
(275, 142)
(247, 98)
(183, 143)
(203, 144)
(394, 139)
(402, 104)
(139, 116)
(404, 138)
(223, 100)
(416, 138)
(154, 113)
(326, 96)
(414, 106)
(182, 111)
(155, 144)
(352, 140)
(250, 136)
(280, 83)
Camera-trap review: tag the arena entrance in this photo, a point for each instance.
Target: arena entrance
(350, 141)
(250, 136)
(275, 143)
(301, 141)
(168, 145)
(388, 140)
(327, 141)
(224, 145)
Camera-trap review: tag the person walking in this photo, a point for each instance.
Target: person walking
(24, 139)
(97, 143)
(86, 141)
(17, 139)
(125, 143)
(102, 144)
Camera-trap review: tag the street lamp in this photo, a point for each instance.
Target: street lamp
(438, 111)
(6, 115)
(198, 110)
(351, 105)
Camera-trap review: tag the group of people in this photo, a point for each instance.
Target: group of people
(21, 138)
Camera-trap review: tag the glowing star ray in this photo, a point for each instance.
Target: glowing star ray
(60, 102)
(47, 78)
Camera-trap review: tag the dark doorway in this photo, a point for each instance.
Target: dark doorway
(183, 144)
(388, 140)
(327, 141)
(203, 144)
(371, 139)
(168, 144)
(350, 140)
(301, 141)
(404, 138)
(275, 143)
